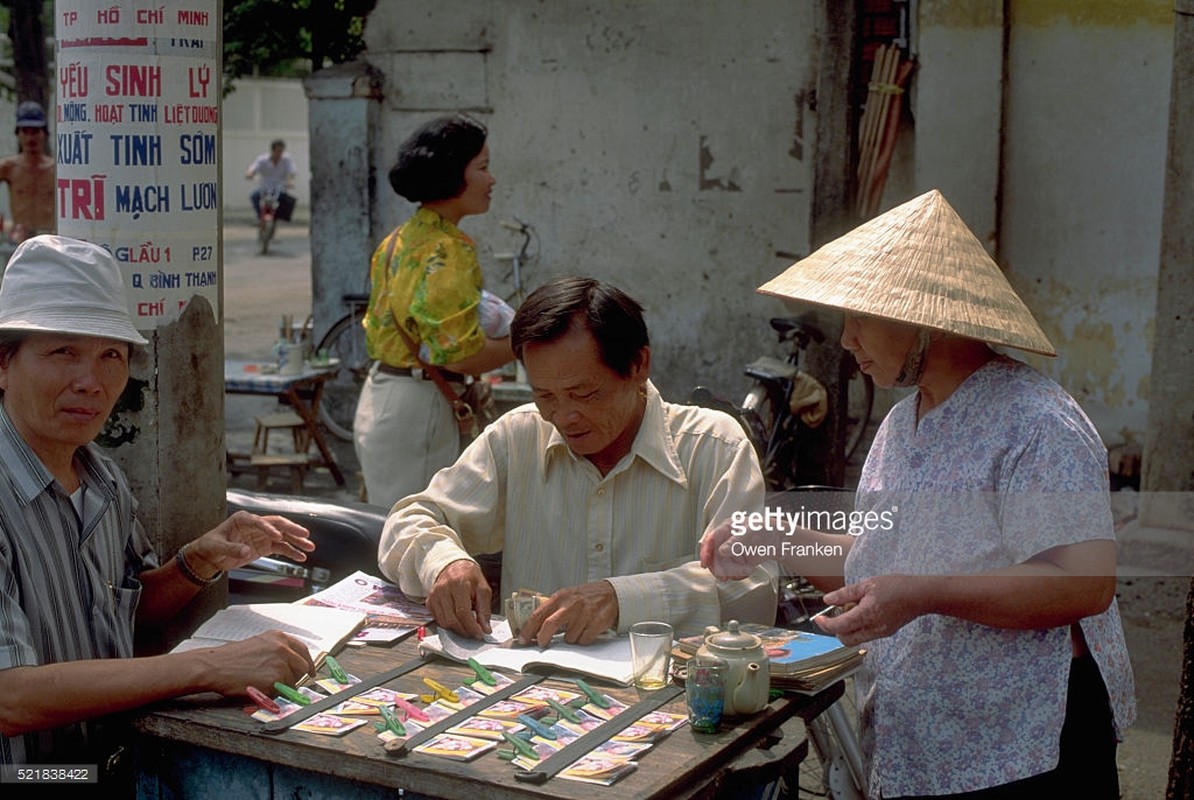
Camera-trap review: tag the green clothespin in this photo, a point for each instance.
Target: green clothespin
(521, 745)
(338, 673)
(392, 721)
(483, 675)
(595, 697)
(563, 711)
(293, 695)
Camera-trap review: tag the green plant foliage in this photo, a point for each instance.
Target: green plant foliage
(291, 37)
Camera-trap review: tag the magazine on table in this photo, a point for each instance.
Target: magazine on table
(389, 614)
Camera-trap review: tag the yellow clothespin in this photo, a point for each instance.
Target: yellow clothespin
(439, 691)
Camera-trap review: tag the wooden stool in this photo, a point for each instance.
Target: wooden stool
(295, 462)
(264, 423)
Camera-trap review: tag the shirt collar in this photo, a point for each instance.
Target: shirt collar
(29, 475)
(653, 444)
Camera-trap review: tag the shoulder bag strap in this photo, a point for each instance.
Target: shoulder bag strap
(461, 409)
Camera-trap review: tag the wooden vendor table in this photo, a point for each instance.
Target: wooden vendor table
(243, 377)
(206, 746)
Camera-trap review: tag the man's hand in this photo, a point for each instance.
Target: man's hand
(244, 537)
(459, 600)
(718, 557)
(258, 661)
(583, 612)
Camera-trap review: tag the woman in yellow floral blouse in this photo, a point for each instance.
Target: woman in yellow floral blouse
(425, 277)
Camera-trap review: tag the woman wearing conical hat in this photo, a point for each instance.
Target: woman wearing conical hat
(981, 572)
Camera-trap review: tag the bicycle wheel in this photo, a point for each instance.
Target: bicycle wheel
(860, 400)
(265, 233)
(344, 341)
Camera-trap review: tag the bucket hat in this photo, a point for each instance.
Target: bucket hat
(58, 285)
(917, 263)
(30, 115)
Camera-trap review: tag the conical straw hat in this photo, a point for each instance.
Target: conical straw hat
(917, 263)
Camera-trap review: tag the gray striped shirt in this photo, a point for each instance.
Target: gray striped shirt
(68, 582)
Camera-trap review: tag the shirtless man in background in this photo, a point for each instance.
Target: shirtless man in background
(30, 176)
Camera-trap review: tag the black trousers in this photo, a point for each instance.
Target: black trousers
(1086, 767)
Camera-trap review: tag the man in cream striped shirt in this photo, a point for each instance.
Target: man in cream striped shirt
(598, 494)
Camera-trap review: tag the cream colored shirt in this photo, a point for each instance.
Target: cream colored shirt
(519, 489)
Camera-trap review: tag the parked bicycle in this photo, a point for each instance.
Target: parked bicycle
(345, 342)
(766, 413)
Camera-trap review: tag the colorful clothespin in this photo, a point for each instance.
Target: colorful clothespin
(595, 697)
(411, 709)
(563, 711)
(262, 700)
(537, 727)
(294, 695)
(440, 691)
(336, 670)
(483, 675)
(521, 745)
(392, 721)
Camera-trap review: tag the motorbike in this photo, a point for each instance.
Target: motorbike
(346, 537)
(784, 404)
(276, 205)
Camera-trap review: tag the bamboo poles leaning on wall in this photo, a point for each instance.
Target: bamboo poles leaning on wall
(879, 125)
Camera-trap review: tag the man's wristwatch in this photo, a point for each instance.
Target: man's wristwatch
(189, 573)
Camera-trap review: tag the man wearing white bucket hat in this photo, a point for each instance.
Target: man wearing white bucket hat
(982, 574)
(76, 568)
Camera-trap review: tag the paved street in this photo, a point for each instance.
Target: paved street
(258, 290)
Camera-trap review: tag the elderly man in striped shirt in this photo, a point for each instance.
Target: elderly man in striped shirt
(596, 495)
(77, 571)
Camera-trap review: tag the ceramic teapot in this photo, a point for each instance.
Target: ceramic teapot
(748, 677)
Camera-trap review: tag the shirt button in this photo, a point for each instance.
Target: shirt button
(600, 547)
(601, 492)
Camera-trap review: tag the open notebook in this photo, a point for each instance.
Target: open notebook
(607, 658)
(321, 629)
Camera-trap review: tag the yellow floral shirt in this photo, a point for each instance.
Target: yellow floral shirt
(431, 285)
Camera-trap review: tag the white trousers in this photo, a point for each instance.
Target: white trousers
(404, 432)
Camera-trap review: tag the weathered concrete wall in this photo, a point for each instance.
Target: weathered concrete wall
(1087, 120)
(666, 146)
(663, 146)
(1072, 204)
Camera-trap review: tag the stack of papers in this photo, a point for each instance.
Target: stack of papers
(799, 660)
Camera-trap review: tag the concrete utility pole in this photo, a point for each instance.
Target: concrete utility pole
(138, 152)
(830, 216)
(1168, 459)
